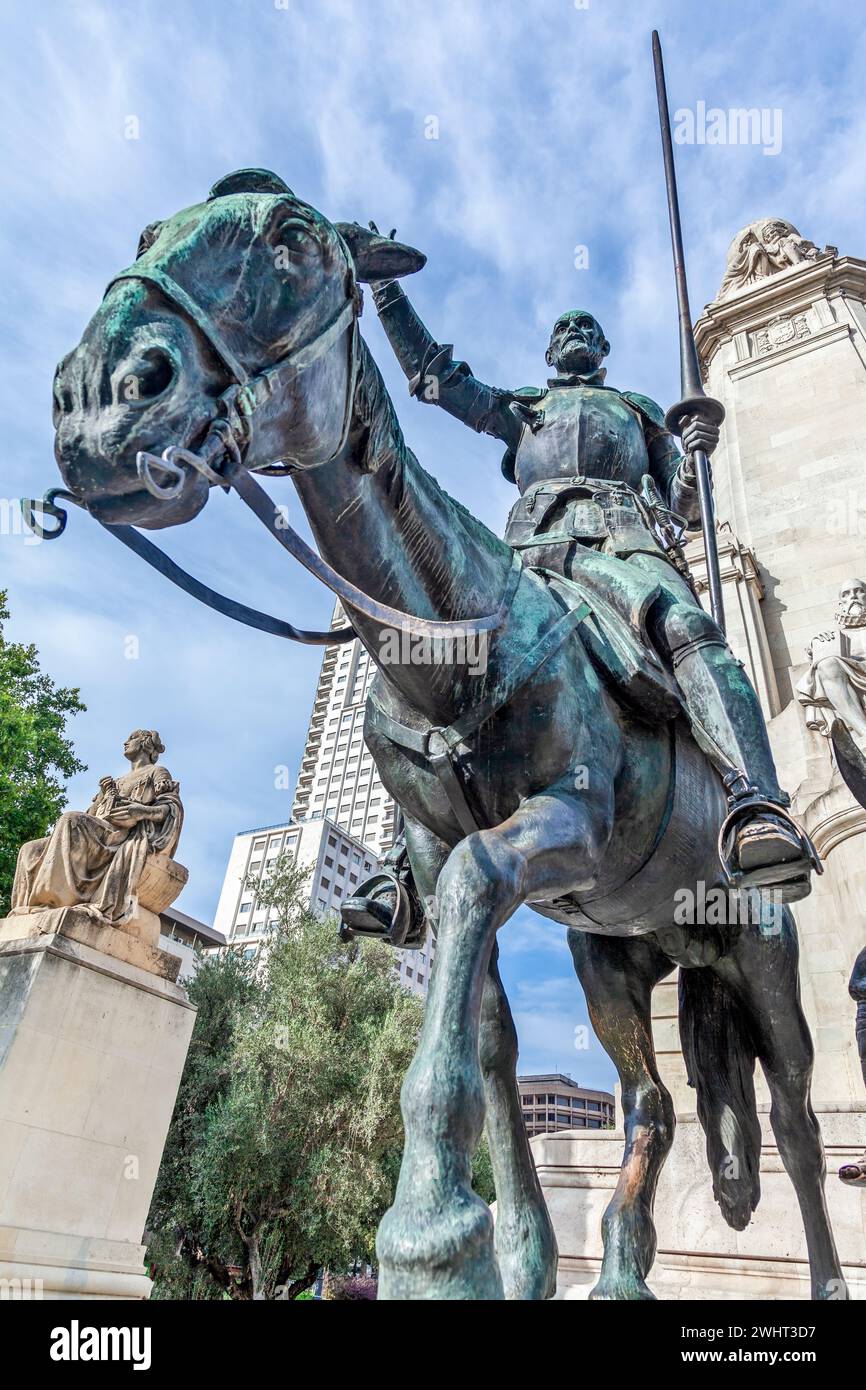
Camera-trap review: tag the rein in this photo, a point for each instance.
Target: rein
(220, 461)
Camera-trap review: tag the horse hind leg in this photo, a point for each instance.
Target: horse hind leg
(618, 976)
(524, 1241)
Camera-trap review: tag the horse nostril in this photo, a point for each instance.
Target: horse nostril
(149, 378)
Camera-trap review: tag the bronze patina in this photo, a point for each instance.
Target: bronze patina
(572, 771)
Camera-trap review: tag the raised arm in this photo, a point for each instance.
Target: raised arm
(433, 374)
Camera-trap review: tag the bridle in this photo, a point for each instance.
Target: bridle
(220, 460)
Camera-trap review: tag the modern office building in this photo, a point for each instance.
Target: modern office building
(186, 937)
(337, 863)
(338, 780)
(554, 1102)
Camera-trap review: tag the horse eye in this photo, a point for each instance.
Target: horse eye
(295, 239)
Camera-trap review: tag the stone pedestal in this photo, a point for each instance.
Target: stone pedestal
(93, 1038)
(699, 1256)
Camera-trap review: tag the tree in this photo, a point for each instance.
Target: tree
(285, 1142)
(35, 754)
(482, 1172)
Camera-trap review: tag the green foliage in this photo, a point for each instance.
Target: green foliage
(285, 1142)
(35, 755)
(482, 1172)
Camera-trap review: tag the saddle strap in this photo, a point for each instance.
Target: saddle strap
(438, 745)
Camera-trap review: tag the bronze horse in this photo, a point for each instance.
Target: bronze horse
(593, 814)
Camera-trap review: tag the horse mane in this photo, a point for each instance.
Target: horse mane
(378, 439)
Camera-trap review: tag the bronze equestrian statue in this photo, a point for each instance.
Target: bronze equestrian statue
(568, 773)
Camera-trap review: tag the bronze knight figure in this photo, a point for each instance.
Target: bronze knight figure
(600, 475)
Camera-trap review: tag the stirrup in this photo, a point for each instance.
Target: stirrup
(368, 913)
(788, 880)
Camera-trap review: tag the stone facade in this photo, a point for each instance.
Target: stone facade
(786, 354)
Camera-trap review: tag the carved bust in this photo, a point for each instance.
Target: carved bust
(764, 248)
(835, 684)
(97, 859)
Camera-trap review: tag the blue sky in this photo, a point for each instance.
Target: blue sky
(546, 141)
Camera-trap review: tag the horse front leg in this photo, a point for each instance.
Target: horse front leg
(524, 1240)
(618, 975)
(437, 1239)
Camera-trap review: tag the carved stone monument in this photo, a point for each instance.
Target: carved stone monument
(94, 1032)
(109, 866)
(835, 684)
(764, 248)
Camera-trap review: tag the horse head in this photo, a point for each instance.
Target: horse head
(183, 347)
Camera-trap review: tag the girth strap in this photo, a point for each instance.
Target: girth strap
(438, 746)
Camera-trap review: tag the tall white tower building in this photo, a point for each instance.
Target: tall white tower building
(338, 780)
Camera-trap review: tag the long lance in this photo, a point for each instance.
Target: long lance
(694, 401)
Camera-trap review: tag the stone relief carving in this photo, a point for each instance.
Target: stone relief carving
(114, 858)
(780, 332)
(835, 683)
(764, 248)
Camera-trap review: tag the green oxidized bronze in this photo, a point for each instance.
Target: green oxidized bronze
(579, 770)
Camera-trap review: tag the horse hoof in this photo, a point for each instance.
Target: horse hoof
(621, 1291)
(446, 1253)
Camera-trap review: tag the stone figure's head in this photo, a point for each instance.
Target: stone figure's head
(851, 607)
(772, 231)
(145, 741)
(577, 344)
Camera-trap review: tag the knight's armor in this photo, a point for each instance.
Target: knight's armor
(599, 475)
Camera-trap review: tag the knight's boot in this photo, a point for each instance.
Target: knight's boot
(760, 844)
(387, 905)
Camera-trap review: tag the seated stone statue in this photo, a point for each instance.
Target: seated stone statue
(97, 859)
(764, 248)
(835, 684)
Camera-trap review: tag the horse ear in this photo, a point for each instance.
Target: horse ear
(379, 257)
(248, 181)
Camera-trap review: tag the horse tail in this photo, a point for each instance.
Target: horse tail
(720, 1062)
